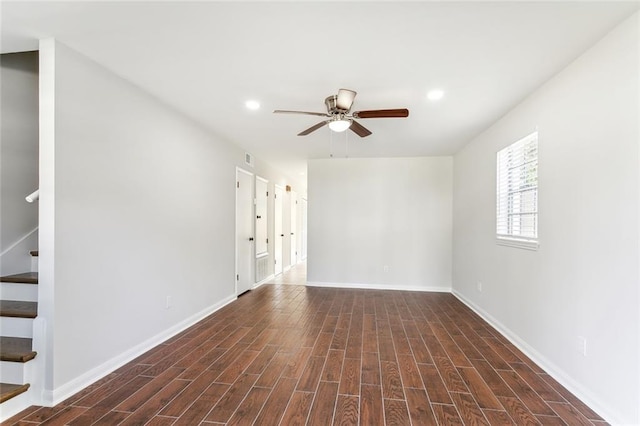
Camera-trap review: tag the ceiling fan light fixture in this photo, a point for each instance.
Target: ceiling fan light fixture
(339, 125)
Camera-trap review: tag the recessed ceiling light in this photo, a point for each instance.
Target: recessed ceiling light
(435, 95)
(252, 105)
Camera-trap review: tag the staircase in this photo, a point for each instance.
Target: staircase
(18, 308)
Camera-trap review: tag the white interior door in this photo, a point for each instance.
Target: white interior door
(244, 231)
(278, 231)
(294, 234)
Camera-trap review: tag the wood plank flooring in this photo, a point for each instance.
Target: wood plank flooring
(294, 355)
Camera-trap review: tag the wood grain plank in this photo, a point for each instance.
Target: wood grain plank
(275, 406)
(569, 414)
(371, 408)
(370, 369)
(350, 377)
(248, 410)
(492, 379)
(296, 364)
(324, 403)
(333, 366)
(527, 395)
(223, 410)
(395, 412)
(391, 381)
(434, 385)
(298, 409)
(496, 417)
(518, 411)
(201, 406)
(273, 371)
(479, 389)
(450, 376)
(541, 387)
(409, 371)
(419, 407)
(311, 374)
(153, 405)
(420, 351)
(347, 411)
(447, 415)
(468, 408)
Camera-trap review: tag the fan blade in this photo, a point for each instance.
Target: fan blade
(345, 99)
(313, 128)
(359, 129)
(382, 113)
(319, 114)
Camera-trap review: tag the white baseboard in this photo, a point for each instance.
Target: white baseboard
(379, 287)
(553, 370)
(70, 388)
(266, 280)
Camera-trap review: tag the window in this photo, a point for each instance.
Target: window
(517, 194)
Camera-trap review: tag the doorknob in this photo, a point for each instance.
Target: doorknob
(282, 235)
(250, 238)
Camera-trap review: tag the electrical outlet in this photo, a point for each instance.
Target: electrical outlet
(479, 286)
(582, 345)
(385, 268)
(168, 304)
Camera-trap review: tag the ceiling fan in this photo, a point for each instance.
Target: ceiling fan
(339, 115)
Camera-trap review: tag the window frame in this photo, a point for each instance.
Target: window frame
(529, 242)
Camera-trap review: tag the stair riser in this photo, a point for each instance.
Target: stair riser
(34, 264)
(16, 372)
(16, 404)
(23, 292)
(16, 327)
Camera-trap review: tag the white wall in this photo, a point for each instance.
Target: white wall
(139, 204)
(583, 280)
(18, 160)
(365, 214)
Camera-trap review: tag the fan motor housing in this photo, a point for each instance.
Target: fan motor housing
(330, 102)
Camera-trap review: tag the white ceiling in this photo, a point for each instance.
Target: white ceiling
(207, 58)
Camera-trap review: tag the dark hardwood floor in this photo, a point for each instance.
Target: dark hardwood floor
(294, 355)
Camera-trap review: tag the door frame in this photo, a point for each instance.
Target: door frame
(278, 189)
(252, 254)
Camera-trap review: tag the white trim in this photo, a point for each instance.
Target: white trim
(72, 387)
(549, 367)
(517, 243)
(438, 289)
(264, 281)
(14, 245)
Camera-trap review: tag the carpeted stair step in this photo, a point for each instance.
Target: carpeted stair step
(8, 390)
(16, 349)
(18, 309)
(24, 278)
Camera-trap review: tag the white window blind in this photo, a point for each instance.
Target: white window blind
(517, 192)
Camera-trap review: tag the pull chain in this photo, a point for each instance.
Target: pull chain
(346, 141)
(330, 144)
